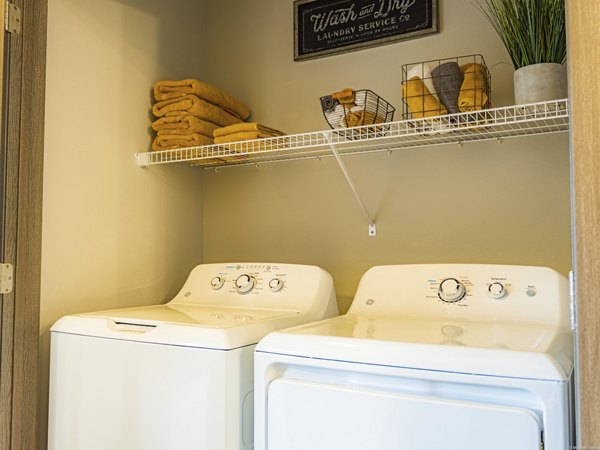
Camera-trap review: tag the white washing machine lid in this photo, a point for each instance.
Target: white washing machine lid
(220, 328)
(492, 349)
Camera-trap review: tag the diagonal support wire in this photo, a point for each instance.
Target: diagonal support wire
(372, 228)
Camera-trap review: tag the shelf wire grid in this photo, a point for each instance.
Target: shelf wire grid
(495, 123)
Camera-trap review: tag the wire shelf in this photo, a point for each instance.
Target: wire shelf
(495, 123)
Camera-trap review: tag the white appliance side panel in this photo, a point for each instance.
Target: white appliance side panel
(304, 415)
(121, 395)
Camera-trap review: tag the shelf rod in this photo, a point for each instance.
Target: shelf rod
(372, 228)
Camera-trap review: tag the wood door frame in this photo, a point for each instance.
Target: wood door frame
(25, 75)
(583, 58)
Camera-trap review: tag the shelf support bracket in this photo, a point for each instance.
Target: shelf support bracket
(372, 227)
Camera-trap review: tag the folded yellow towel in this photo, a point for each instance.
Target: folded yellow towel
(345, 96)
(243, 136)
(472, 96)
(192, 105)
(172, 95)
(183, 125)
(420, 101)
(170, 141)
(166, 89)
(246, 127)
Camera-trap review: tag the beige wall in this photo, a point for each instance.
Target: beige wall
(487, 202)
(114, 234)
(249, 45)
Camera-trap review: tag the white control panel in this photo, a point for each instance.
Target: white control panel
(258, 285)
(520, 294)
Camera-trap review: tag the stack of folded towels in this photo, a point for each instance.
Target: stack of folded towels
(448, 88)
(189, 111)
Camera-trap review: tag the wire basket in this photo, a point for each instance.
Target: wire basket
(445, 86)
(349, 109)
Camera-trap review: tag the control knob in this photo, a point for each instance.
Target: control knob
(496, 290)
(217, 283)
(276, 284)
(245, 283)
(451, 290)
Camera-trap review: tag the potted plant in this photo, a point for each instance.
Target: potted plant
(534, 33)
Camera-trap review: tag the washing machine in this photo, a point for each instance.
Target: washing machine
(177, 375)
(452, 357)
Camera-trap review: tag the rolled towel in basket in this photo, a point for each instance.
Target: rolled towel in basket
(447, 79)
(473, 96)
(420, 101)
(360, 117)
(192, 105)
(423, 71)
(335, 116)
(183, 124)
(168, 89)
(170, 141)
(345, 96)
(360, 98)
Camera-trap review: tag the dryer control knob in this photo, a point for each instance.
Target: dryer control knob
(451, 290)
(276, 284)
(217, 283)
(245, 283)
(496, 291)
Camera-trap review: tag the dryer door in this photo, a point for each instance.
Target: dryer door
(304, 415)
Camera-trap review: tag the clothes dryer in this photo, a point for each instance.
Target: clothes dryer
(453, 357)
(178, 375)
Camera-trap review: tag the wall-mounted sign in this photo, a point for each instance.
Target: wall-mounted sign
(324, 27)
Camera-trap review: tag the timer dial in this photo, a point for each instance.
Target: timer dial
(451, 290)
(244, 283)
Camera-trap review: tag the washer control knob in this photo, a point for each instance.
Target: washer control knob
(276, 284)
(451, 290)
(245, 283)
(496, 291)
(217, 283)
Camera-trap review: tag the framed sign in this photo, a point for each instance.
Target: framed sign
(325, 27)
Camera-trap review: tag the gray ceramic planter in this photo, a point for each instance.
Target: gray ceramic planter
(540, 82)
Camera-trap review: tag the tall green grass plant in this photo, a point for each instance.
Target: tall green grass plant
(533, 31)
